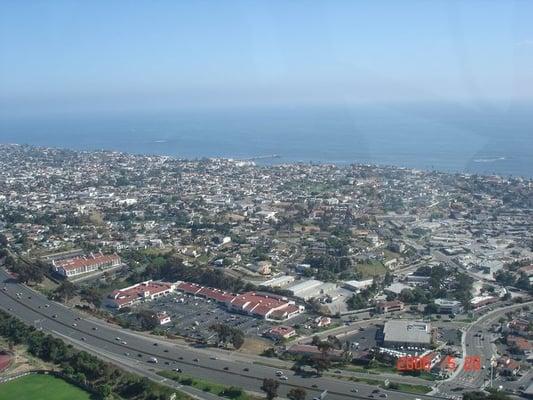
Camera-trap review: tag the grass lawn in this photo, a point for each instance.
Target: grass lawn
(416, 389)
(41, 387)
(403, 387)
(233, 393)
(369, 270)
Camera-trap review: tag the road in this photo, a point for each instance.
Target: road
(133, 351)
(477, 341)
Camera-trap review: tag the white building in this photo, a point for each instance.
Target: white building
(311, 288)
(356, 286)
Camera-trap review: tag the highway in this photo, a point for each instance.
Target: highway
(133, 350)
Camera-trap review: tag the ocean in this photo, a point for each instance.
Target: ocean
(444, 137)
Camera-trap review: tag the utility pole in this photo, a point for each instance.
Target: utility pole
(492, 361)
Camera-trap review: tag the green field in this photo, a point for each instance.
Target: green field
(371, 269)
(41, 387)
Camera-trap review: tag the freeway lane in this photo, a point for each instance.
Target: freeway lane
(135, 350)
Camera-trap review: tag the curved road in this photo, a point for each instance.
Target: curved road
(132, 350)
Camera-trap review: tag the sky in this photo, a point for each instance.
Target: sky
(70, 56)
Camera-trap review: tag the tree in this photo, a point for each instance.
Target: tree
(431, 308)
(91, 296)
(147, 319)
(226, 333)
(29, 273)
(222, 331)
(297, 394)
(320, 365)
(232, 392)
(104, 391)
(65, 291)
(270, 387)
(237, 340)
(334, 342)
(324, 348)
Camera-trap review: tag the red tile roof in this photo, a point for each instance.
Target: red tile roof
(87, 261)
(137, 292)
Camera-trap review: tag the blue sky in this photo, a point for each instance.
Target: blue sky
(91, 55)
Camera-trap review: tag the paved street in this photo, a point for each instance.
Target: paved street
(134, 350)
(476, 345)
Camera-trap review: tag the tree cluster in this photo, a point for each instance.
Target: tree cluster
(169, 267)
(228, 334)
(102, 378)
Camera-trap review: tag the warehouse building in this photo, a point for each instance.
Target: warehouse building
(357, 286)
(311, 289)
(399, 333)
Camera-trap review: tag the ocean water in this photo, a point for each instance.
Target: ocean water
(485, 140)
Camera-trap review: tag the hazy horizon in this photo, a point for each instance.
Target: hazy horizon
(61, 57)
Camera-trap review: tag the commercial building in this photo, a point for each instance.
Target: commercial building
(322, 321)
(279, 282)
(139, 292)
(356, 286)
(70, 267)
(266, 306)
(163, 318)
(389, 306)
(400, 333)
(311, 288)
(281, 332)
(481, 301)
(445, 306)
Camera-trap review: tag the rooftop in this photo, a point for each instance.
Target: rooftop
(407, 332)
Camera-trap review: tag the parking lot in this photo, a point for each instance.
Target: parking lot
(365, 339)
(192, 316)
(452, 336)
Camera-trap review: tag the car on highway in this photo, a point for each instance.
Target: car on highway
(213, 358)
(118, 339)
(354, 390)
(246, 369)
(178, 370)
(226, 368)
(124, 342)
(284, 378)
(152, 360)
(196, 360)
(54, 316)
